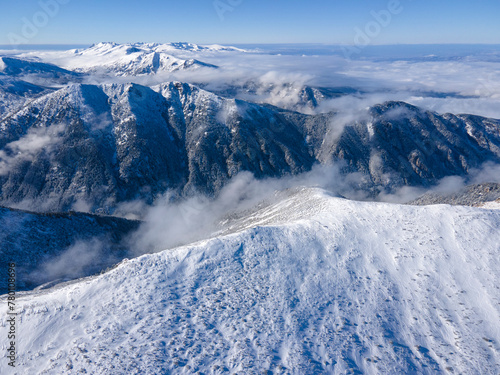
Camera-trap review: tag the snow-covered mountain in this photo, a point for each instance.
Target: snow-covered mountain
(398, 144)
(133, 59)
(14, 93)
(118, 142)
(310, 284)
(184, 46)
(15, 67)
(250, 280)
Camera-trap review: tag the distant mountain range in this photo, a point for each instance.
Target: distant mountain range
(133, 59)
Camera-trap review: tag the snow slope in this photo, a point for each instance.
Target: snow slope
(130, 59)
(19, 67)
(492, 205)
(310, 284)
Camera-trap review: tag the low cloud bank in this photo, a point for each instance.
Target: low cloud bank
(83, 258)
(170, 223)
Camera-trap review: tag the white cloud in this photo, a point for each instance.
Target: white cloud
(452, 83)
(26, 148)
(80, 259)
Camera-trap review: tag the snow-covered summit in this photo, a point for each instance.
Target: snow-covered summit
(170, 47)
(132, 59)
(347, 287)
(195, 47)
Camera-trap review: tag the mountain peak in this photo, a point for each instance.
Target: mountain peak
(135, 59)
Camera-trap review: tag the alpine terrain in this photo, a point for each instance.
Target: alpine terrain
(201, 209)
(308, 284)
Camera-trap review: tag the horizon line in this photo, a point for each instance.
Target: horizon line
(258, 43)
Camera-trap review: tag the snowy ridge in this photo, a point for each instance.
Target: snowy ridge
(133, 59)
(195, 139)
(17, 67)
(345, 287)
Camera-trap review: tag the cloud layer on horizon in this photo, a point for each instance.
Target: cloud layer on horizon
(451, 83)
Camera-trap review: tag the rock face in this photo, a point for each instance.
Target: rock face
(96, 146)
(40, 245)
(107, 144)
(473, 195)
(399, 144)
(226, 136)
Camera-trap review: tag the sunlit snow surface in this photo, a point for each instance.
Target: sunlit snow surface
(311, 284)
(131, 59)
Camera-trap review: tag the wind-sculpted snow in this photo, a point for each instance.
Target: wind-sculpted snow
(315, 285)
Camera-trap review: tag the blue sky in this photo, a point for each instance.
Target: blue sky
(250, 21)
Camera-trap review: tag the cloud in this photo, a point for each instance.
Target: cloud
(81, 206)
(348, 110)
(80, 259)
(449, 80)
(489, 172)
(27, 147)
(487, 107)
(396, 114)
(449, 185)
(172, 222)
(402, 195)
